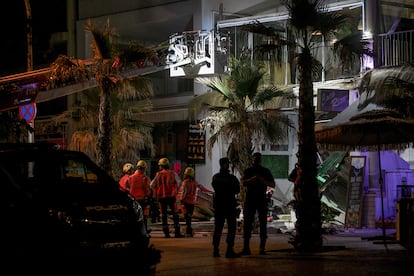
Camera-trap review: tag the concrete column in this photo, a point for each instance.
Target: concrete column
(368, 212)
(369, 209)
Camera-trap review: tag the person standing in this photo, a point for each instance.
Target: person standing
(165, 188)
(188, 197)
(226, 188)
(139, 188)
(127, 169)
(256, 179)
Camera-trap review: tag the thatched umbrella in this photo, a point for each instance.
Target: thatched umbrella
(381, 129)
(381, 119)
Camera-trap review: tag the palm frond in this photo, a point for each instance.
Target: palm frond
(246, 76)
(135, 89)
(220, 84)
(212, 100)
(329, 22)
(272, 50)
(303, 13)
(84, 141)
(66, 70)
(102, 40)
(270, 93)
(351, 46)
(133, 52)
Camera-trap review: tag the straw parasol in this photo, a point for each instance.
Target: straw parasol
(378, 129)
(381, 118)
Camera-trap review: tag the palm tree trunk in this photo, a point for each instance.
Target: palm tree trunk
(308, 205)
(104, 148)
(29, 54)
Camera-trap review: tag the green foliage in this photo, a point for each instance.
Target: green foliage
(238, 116)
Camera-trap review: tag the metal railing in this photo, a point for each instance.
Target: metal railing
(396, 48)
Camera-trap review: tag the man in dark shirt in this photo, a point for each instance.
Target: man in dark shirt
(226, 187)
(256, 179)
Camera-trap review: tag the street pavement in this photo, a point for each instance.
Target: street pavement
(350, 252)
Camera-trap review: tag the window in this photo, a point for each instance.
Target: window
(78, 171)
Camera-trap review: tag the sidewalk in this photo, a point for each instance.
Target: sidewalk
(344, 253)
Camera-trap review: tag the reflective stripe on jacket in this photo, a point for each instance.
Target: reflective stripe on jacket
(139, 185)
(164, 184)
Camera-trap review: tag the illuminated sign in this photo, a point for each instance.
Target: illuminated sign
(196, 145)
(332, 100)
(24, 95)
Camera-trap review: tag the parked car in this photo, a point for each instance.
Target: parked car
(59, 202)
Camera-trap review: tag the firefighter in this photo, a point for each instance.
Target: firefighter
(188, 197)
(165, 188)
(127, 169)
(139, 188)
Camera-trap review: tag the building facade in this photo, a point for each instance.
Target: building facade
(203, 33)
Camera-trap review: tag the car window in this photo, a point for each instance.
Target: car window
(76, 170)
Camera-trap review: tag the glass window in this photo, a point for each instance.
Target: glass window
(76, 170)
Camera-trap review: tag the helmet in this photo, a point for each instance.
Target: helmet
(163, 162)
(127, 168)
(142, 164)
(189, 171)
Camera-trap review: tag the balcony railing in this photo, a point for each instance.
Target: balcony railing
(396, 48)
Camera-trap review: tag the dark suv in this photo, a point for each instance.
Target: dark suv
(60, 202)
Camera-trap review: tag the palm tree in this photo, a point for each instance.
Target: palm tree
(308, 19)
(236, 112)
(130, 136)
(106, 82)
(120, 100)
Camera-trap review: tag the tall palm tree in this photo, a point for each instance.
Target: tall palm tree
(106, 82)
(306, 18)
(127, 97)
(236, 112)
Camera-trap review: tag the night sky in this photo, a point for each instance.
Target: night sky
(48, 16)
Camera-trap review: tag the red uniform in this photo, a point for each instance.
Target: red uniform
(188, 191)
(139, 185)
(123, 182)
(188, 198)
(164, 184)
(165, 188)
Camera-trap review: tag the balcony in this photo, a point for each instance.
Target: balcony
(396, 48)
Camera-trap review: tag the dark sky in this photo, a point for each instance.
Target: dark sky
(48, 16)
